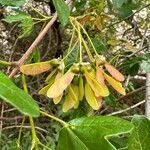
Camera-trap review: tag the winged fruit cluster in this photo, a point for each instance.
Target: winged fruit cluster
(81, 81)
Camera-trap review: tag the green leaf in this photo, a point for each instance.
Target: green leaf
(36, 55)
(26, 22)
(145, 65)
(62, 10)
(97, 4)
(131, 67)
(4, 64)
(27, 27)
(120, 141)
(12, 2)
(69, 141)
(126, 9)
(118, 3)
(80, 5)
(19, 16)
(72, 58)
(10, 93)
(99, 45)
(140, 136)
(146, 56)
(110, 100)
(91, 133)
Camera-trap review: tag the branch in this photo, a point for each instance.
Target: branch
(131, 93)
(11, 118)
(124, 97)
(127, 109)
(27, 127)
(33, 45)
(147, 104)
(129, 15)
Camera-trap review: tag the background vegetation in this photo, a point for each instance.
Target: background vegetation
(119, 31)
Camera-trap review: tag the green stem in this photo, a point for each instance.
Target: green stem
(70, 51)
(35, 140)
(71, 41)
(20, 131)
(30, 5)
(84, 43)
(43, 19)
(87, 50)
(5, 63)
(54, 118)
(34, 137)
(44, 146)
(115, 57)
(80, 43)
(70, 44)
(24, 83)
(88, 38)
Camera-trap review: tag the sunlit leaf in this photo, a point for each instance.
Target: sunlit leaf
(51, 76)
(90, 97)
(98, 89)
(99, 76)
(114, 72)
(44, 90)
(56, 100)
(36, 68)
(99, 101)
(115, 84)
(74, 91)
(60, 85)
(81, 88)
(69, 101)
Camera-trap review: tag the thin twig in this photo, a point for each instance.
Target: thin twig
(11, 118)
(131, 93)
(12, 53)
(147, 104)
(9, 110)
(1, 122)
(127, 109)
(129, 16)
(136, 52)
(27, 127)
(124, 97)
